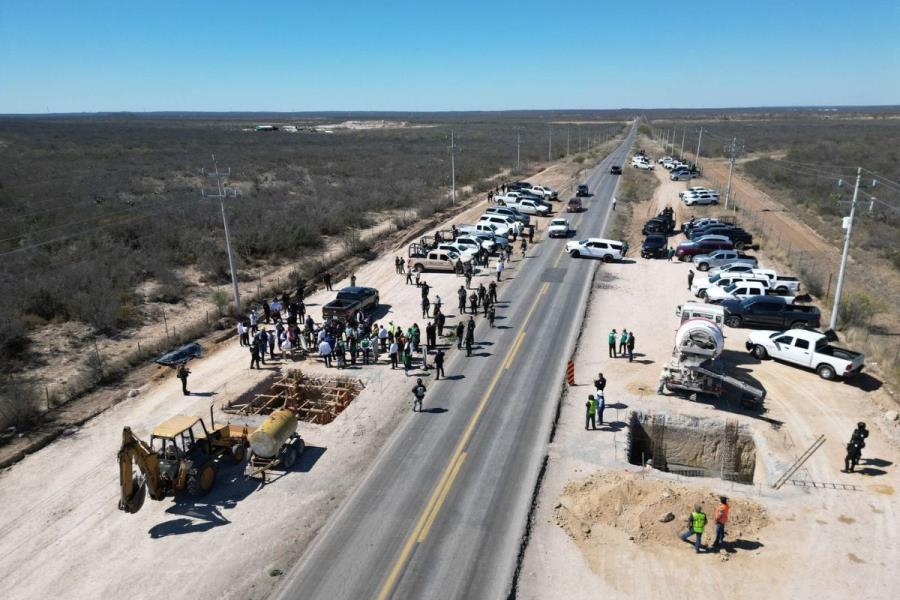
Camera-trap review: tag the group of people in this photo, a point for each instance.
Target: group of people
(697, 524)
(625, 342)
(484, 298)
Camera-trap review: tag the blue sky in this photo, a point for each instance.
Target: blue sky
(89, 55)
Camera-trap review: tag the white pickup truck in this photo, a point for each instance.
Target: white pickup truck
(741, 290)
(701, 285)
(808, 349)
(780, 283)
(529, 207)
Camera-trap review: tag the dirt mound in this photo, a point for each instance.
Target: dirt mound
(614, 506)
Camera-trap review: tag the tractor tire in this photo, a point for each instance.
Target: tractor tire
(289, 457)
(826, 372)
(760, 352)
(201, 481)
(733, 321)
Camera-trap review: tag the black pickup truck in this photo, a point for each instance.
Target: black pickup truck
(350, 301)
(771, 313)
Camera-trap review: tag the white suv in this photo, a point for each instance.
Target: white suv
(608, 250)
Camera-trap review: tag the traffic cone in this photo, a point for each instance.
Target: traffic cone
(570, 373)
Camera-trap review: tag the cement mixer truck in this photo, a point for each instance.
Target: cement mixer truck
(274, 444)
(695, 367)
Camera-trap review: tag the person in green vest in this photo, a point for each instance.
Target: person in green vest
(696, 523)
(612, 343)
(590, 417)
(623, 339)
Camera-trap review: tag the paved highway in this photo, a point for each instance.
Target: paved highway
(442, 511)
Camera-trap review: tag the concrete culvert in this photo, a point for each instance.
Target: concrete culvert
(691, 446)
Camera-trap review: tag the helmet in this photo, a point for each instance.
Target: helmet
(860, 425)
(419, 381)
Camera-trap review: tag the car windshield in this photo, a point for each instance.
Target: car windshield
(715, 278)
(731, 288)
(558, 222)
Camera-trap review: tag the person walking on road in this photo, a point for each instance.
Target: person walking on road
(473, 303)
(623, 339)
(182, 374)
(254, 354)
(851, 459)
(591, 412)
(468, 279)
(426, 304)
(614, 203)
(439, 322)
(326, 277)
(461, 296)
(460, 332)
(690, 278)
(418, 391)
(612, 343)
(325, 352)
(629, 345)
(524, 246)
(492, 314)
(696, 525)
(601, 406)
(407, 358)
(492, 292)
(500, 267)
(439, 364)
(409, 276)
(393, 352)
(721, 518)
(469, 341)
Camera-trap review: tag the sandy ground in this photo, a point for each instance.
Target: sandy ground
(61, 530)
(814, 542)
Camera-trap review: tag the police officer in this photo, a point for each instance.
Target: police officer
(439, 364)
(461, 295)
(182, 374)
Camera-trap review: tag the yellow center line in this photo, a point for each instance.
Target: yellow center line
(443, 496)
(513, 350)
(430, 512)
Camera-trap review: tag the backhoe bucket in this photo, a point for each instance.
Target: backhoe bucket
(136, 501)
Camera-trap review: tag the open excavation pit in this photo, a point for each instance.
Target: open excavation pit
(692, 446)
(312, 399)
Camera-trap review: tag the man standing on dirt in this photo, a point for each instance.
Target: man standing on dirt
(696, 524)
(491, 315)
(182, 374)
(591, 408)
(426, 304)
(460, 331)
(721, 518)
(431, 334)
(439, 322)
(612, 343)
(326, 278)
(623, 340)
(254, 353)
(383, 338)
(629, 344)
(325, 352)
(492, 291)
(690, 278)
(531, 233)
(500, 266)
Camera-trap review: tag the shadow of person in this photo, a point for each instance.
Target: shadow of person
(734, 546)
(870, 471)
(876, 462)
(435, 411)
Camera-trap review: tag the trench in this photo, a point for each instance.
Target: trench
(691, 446)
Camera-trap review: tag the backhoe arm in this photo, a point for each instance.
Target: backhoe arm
(134, 487)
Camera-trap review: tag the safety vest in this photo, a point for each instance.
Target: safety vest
(722, 514)
(698, 521)
(612, 338)
(591, 407)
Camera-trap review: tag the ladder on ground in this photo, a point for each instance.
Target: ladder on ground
(799, 462)
(824, 485)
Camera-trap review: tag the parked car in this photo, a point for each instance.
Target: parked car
(350, 301)
(655, 246)
(474, 243)
(531, 207)
(493, 232)
(735, 267)
(582, 190)
(642, 165)
(509, 211)
(741, 290)
(663, 159)
(574, 205)
(769, 312)
(686, 250)
(701, 287)
(435, 260)
(467, 253)
(655, 226)
(694, 223)
(559, 228)
(704, 262)
(808, 349)
(701, 198)
(680, 176)
(504, 225)
(695, 189)
(780, 283)
(615, 170)
(547, 193)
(608, 250)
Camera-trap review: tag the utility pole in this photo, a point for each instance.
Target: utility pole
(452, 148)
(568, 139)
(518, 153)
(848, 225)
(697, 155)
(549, 142)
(730, 171)
(221, 193)
(683, 130)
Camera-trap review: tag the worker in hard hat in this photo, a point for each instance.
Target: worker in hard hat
(696, 524)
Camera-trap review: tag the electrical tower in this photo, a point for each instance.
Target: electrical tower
(220, 194)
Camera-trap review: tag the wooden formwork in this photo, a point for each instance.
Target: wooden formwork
(313, 399)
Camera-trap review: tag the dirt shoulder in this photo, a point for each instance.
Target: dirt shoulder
(601, 526)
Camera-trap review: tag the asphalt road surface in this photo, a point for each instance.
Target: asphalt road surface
(442, 511)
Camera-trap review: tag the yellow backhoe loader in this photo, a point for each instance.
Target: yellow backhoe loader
(182, 456)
